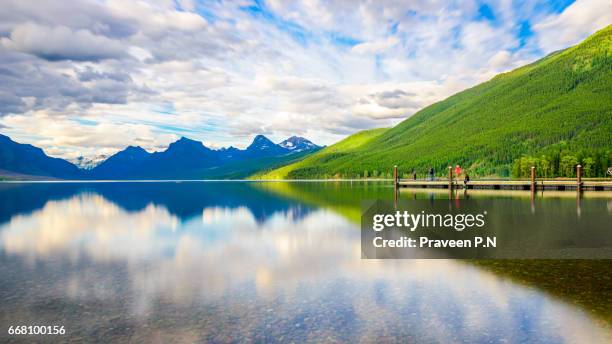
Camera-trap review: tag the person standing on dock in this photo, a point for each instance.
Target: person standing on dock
(457, 174)
(466, 180)
(431, 174)
(413, 174)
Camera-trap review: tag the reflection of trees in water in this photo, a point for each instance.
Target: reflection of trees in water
(586, 283)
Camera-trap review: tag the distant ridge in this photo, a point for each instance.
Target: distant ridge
(27, 160)
(183, 159)
(86, 163)
(120, 164)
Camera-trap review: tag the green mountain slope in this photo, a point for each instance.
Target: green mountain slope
(242, 170)
(309, 167)
(555, 111)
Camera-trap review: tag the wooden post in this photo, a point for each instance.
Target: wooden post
(450, 177)
(532, 202)
(395, 186)
(578, 177)
(533, 180)
(395, 177)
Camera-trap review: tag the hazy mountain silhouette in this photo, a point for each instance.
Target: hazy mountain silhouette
(183, 159)
(27, 160)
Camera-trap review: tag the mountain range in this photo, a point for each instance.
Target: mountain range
(554, 113)
(183, 159)
(29, 162)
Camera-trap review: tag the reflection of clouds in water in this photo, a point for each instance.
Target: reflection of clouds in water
(217, 215)
(85, 224)
(289, 266)
(264, 257)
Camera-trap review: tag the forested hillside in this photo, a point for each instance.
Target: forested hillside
(555, 113)
(309, 167)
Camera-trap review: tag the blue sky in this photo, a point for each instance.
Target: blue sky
(92, 77)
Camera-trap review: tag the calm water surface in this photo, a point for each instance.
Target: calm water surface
(257, 262)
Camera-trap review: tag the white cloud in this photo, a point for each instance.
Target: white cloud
(500, 59)
(158, 70)
(155, 19)
(579, 20)
(60, 42)
(62, 136)
(375, 47)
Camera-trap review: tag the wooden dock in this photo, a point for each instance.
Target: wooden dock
(532, 184)
(508, 185)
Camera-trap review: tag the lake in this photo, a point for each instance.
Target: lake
(221, 262)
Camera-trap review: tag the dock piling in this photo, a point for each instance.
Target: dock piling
(533, 179)
(578, 178)
(395, 186)
(450, 177)
(395, 176)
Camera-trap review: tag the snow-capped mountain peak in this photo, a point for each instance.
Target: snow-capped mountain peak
(88, 163)
(298, 144)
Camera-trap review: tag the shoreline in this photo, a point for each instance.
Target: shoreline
(279, 180)
(191, 180)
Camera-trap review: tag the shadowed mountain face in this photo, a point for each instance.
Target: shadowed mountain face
(27, 160)
(122, 163)
(262, 147)
(183, 159)
(189, 159)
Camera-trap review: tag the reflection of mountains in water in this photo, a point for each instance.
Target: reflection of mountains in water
(182, 199)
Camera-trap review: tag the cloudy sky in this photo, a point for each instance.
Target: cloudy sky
(91, 77)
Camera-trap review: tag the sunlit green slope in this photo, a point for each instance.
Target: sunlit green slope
(309, 166)
(558, 108)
